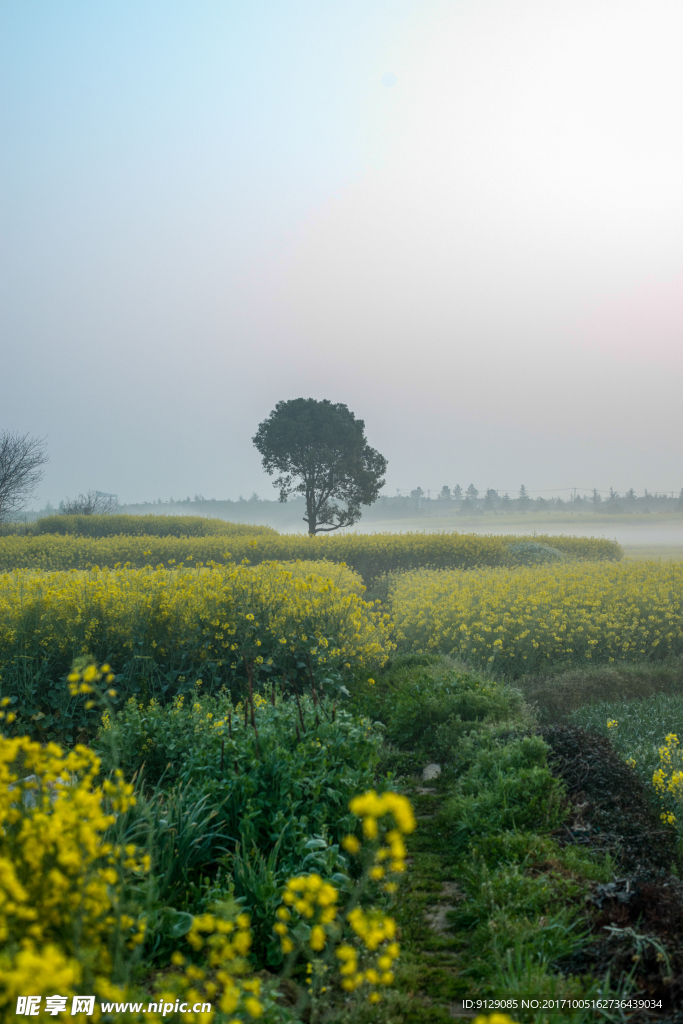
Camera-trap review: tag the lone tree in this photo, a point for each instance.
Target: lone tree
(21, 460)
(319, 450)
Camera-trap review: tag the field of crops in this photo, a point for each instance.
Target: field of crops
(522, 620)
(371, 555)
(162, 629)
(133, 526)
(258, 727)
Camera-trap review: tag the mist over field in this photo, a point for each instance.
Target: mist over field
(461, 219)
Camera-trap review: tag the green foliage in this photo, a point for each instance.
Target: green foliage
(319, 450)
(184, 836)
(147, 526)
(508, 787)
(259, 880)
(278, 785)
(234, 811)
(431, 705)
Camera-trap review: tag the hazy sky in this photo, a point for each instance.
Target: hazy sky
(464, 219)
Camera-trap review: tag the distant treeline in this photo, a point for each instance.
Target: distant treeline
(417, 504)
(420, 503)
(472, 501)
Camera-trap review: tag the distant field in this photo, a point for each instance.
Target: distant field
(667, 552)
(644, 531)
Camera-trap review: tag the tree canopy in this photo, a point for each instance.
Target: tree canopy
(319, 450)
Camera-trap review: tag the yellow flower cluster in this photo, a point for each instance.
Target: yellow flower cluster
(227, 612)
(374, 929)
(225, 943)
(366, 963)
(372, 807)
(390, 852)
(668, 778)
(55, 870)
(516, 619)
(312, 899)
(369, 554)
(493, 1018)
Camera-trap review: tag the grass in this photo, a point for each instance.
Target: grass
(493, 904)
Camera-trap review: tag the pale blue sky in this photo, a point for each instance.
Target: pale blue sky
(463, 219)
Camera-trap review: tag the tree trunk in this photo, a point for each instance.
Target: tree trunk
(310, 514)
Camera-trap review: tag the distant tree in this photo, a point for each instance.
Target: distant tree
(21, 460)
(505, 501)
(490, 498)
(597, 497)
(457, 493)
(319, 450)
(445, 493)
(472, 492)
(417, 493)
(630, 495)
(93, 503)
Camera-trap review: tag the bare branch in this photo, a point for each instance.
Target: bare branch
(93, 503)
(21, 459)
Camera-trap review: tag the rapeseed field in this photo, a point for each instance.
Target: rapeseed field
(524, 619)
(164, 628)
(371, 555)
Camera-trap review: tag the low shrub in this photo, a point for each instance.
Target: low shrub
(557, 696)
(430, 705)
(530, 552)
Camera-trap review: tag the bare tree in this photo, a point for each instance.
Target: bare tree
(21, 459)
(93, 503)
